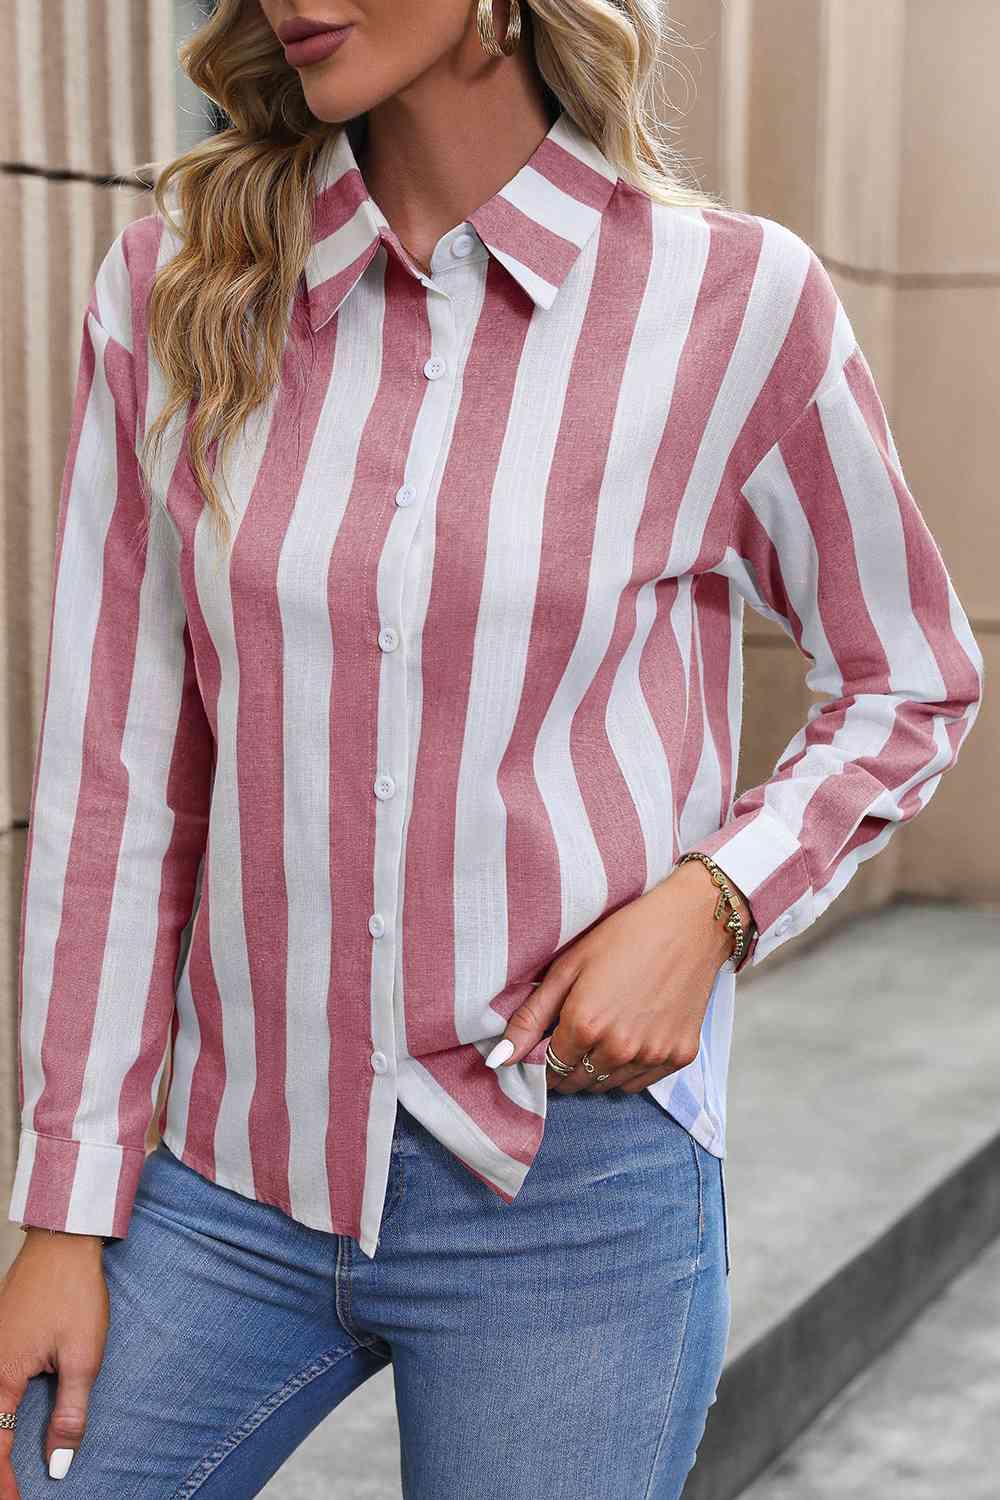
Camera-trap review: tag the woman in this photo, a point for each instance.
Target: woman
(446, 690)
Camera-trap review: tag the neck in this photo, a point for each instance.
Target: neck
(433, 152)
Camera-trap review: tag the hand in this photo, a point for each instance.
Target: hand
(54, 1317)
(633, 990)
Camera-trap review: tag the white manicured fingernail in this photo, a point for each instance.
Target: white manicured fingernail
(59, 1462)
(500, 1053)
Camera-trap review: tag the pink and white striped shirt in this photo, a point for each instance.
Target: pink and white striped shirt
(470, 678)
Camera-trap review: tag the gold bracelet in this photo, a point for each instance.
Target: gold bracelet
(734, 922)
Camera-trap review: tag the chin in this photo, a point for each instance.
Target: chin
(334, 106)
(336, 97)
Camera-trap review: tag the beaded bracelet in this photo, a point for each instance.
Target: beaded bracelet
(734, 922)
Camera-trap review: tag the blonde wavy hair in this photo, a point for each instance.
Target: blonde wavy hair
(219, 307)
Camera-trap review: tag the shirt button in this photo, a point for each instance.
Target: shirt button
(388, 638)
(406, 494)
(434, 367)
(384, 786)
(380, 1063)
(462, 245)
(376, 924)
(782, 925)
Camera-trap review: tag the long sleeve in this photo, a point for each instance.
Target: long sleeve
(119, 810)
(827, 540)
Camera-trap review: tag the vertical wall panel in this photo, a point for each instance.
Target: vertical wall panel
(949, 211)
(947, 333)
(693, 84)
(785, 109)
(736, 41)
(860, 142)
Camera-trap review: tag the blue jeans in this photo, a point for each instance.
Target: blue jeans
(567, 1344)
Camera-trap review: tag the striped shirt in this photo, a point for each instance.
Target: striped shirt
(308, 818)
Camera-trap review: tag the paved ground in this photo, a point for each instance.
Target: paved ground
(353, 1455)
(922, 1422)
(861, 1074)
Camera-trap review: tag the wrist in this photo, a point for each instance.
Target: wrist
(722, 938)
(39, 1233)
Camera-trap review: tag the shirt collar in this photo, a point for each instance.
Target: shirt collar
(535, 225)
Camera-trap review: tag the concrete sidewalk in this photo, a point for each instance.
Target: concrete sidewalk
(922, 1422)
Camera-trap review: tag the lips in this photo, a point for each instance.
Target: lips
(316, 42)
(297, 29)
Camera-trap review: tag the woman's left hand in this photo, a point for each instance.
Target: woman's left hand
(632, 990)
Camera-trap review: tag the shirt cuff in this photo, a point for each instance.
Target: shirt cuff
(767, 864)
(83, 1187)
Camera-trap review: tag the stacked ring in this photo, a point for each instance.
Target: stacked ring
(558, 1066)
(556, 1063)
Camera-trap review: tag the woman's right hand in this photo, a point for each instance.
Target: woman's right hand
(53, 1318)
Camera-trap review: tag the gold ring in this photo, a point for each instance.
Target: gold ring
(556, 1063)
(585, 1062)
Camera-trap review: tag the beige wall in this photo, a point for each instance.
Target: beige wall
(871, 130)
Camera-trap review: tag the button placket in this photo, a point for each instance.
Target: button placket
(391, 771)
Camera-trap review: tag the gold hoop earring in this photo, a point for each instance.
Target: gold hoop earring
(487, 32)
